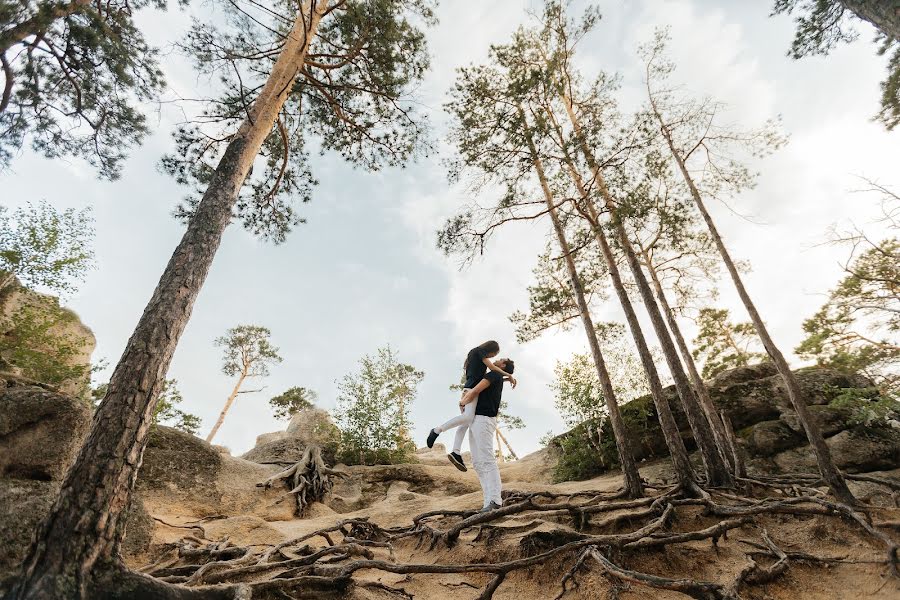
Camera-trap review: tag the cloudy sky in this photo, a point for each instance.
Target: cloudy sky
(364, 271)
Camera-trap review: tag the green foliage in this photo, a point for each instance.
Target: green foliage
(166, 412)
(577, 393)
(44, 247)
(723, 345)
(76, 74)
(857, 328)
(867, 406)
(38, 340)
(247, 350)
(292, 401)
(372, 410)
(823, 24)
(352, 97)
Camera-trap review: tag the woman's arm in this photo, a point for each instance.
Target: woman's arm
(472, 395)
(496, 369)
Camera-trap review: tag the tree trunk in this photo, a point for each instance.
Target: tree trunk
(632, 479)
(706, 403)
(500, 456)
(883, 14)
(86, 525)
(827, 468)
(716, 467)
(508, 446)
(228, 403)
(46, 13)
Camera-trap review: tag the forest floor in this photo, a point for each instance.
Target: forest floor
(408, 531)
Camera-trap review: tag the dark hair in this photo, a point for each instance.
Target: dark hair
(510, 366)
(490, 347)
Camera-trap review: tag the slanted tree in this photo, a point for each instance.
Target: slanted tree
(591, 114)
(45, 248)
(74, 76)
(375, 49)
(699, 144)
(247, 353)
(721, 344)
(372, 410)
(823, 24)
(292, 401)
(496, 144)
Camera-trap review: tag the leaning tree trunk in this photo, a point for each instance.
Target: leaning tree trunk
(716, 466)
(81, 536)
(827, 468)
(884, 15)
(632, 479)
(680, 461)
(227, 407)
(706, 403)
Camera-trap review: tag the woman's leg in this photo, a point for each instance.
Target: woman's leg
(463, 428)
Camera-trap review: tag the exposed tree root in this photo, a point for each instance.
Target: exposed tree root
(604, 531)
(308, 481)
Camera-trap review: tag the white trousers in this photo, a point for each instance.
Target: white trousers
(481, 445)
(462, 423)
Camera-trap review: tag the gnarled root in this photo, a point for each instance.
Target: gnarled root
(310, 480)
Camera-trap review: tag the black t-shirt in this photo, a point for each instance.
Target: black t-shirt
(475, 367)
(489, 400)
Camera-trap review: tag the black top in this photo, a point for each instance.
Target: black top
(475, 367)
(489, 400)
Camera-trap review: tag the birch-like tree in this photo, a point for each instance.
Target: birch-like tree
(699, 144)
(721, 344)
(373, 52)
(247, 353)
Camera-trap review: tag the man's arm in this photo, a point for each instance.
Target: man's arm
(472, 395)
(496, 369)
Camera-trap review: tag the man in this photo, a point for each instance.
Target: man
(487, 394)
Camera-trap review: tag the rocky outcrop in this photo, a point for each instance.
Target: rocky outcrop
(40, 432)
(17, 302)
(769, 432)
(308, 427)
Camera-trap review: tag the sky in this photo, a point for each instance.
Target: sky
(364, 271)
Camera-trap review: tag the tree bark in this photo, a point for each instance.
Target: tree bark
(228, 403)
(632, 479)
(39, 22)
(883, 14)
(716, 467)
(827, 468)
(706, 403)
(86, 525)
(508, 446)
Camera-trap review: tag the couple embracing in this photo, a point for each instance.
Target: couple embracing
(479, 406)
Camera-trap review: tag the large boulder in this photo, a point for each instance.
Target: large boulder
(856, 450)
(308, 427)
(40, 432)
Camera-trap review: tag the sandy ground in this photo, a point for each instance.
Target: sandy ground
(392, 496)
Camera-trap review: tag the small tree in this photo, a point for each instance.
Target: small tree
(373, 410)
(292, 401)
(166, 412)
(247, 353)
(38, 340)
(44, 247)
(721, 344)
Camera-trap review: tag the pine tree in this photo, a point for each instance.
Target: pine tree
(721, 344)
(685, 126)
(77, 546)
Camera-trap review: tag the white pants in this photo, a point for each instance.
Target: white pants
(462, 422)
(481, 445)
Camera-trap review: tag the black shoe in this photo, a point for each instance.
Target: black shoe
(432, 435)
(457, 461)
(490, 507)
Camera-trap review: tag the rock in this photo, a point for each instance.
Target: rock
(743, 374)
(770, 437)
(857, 450)
(307, 427)
(40, 432)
